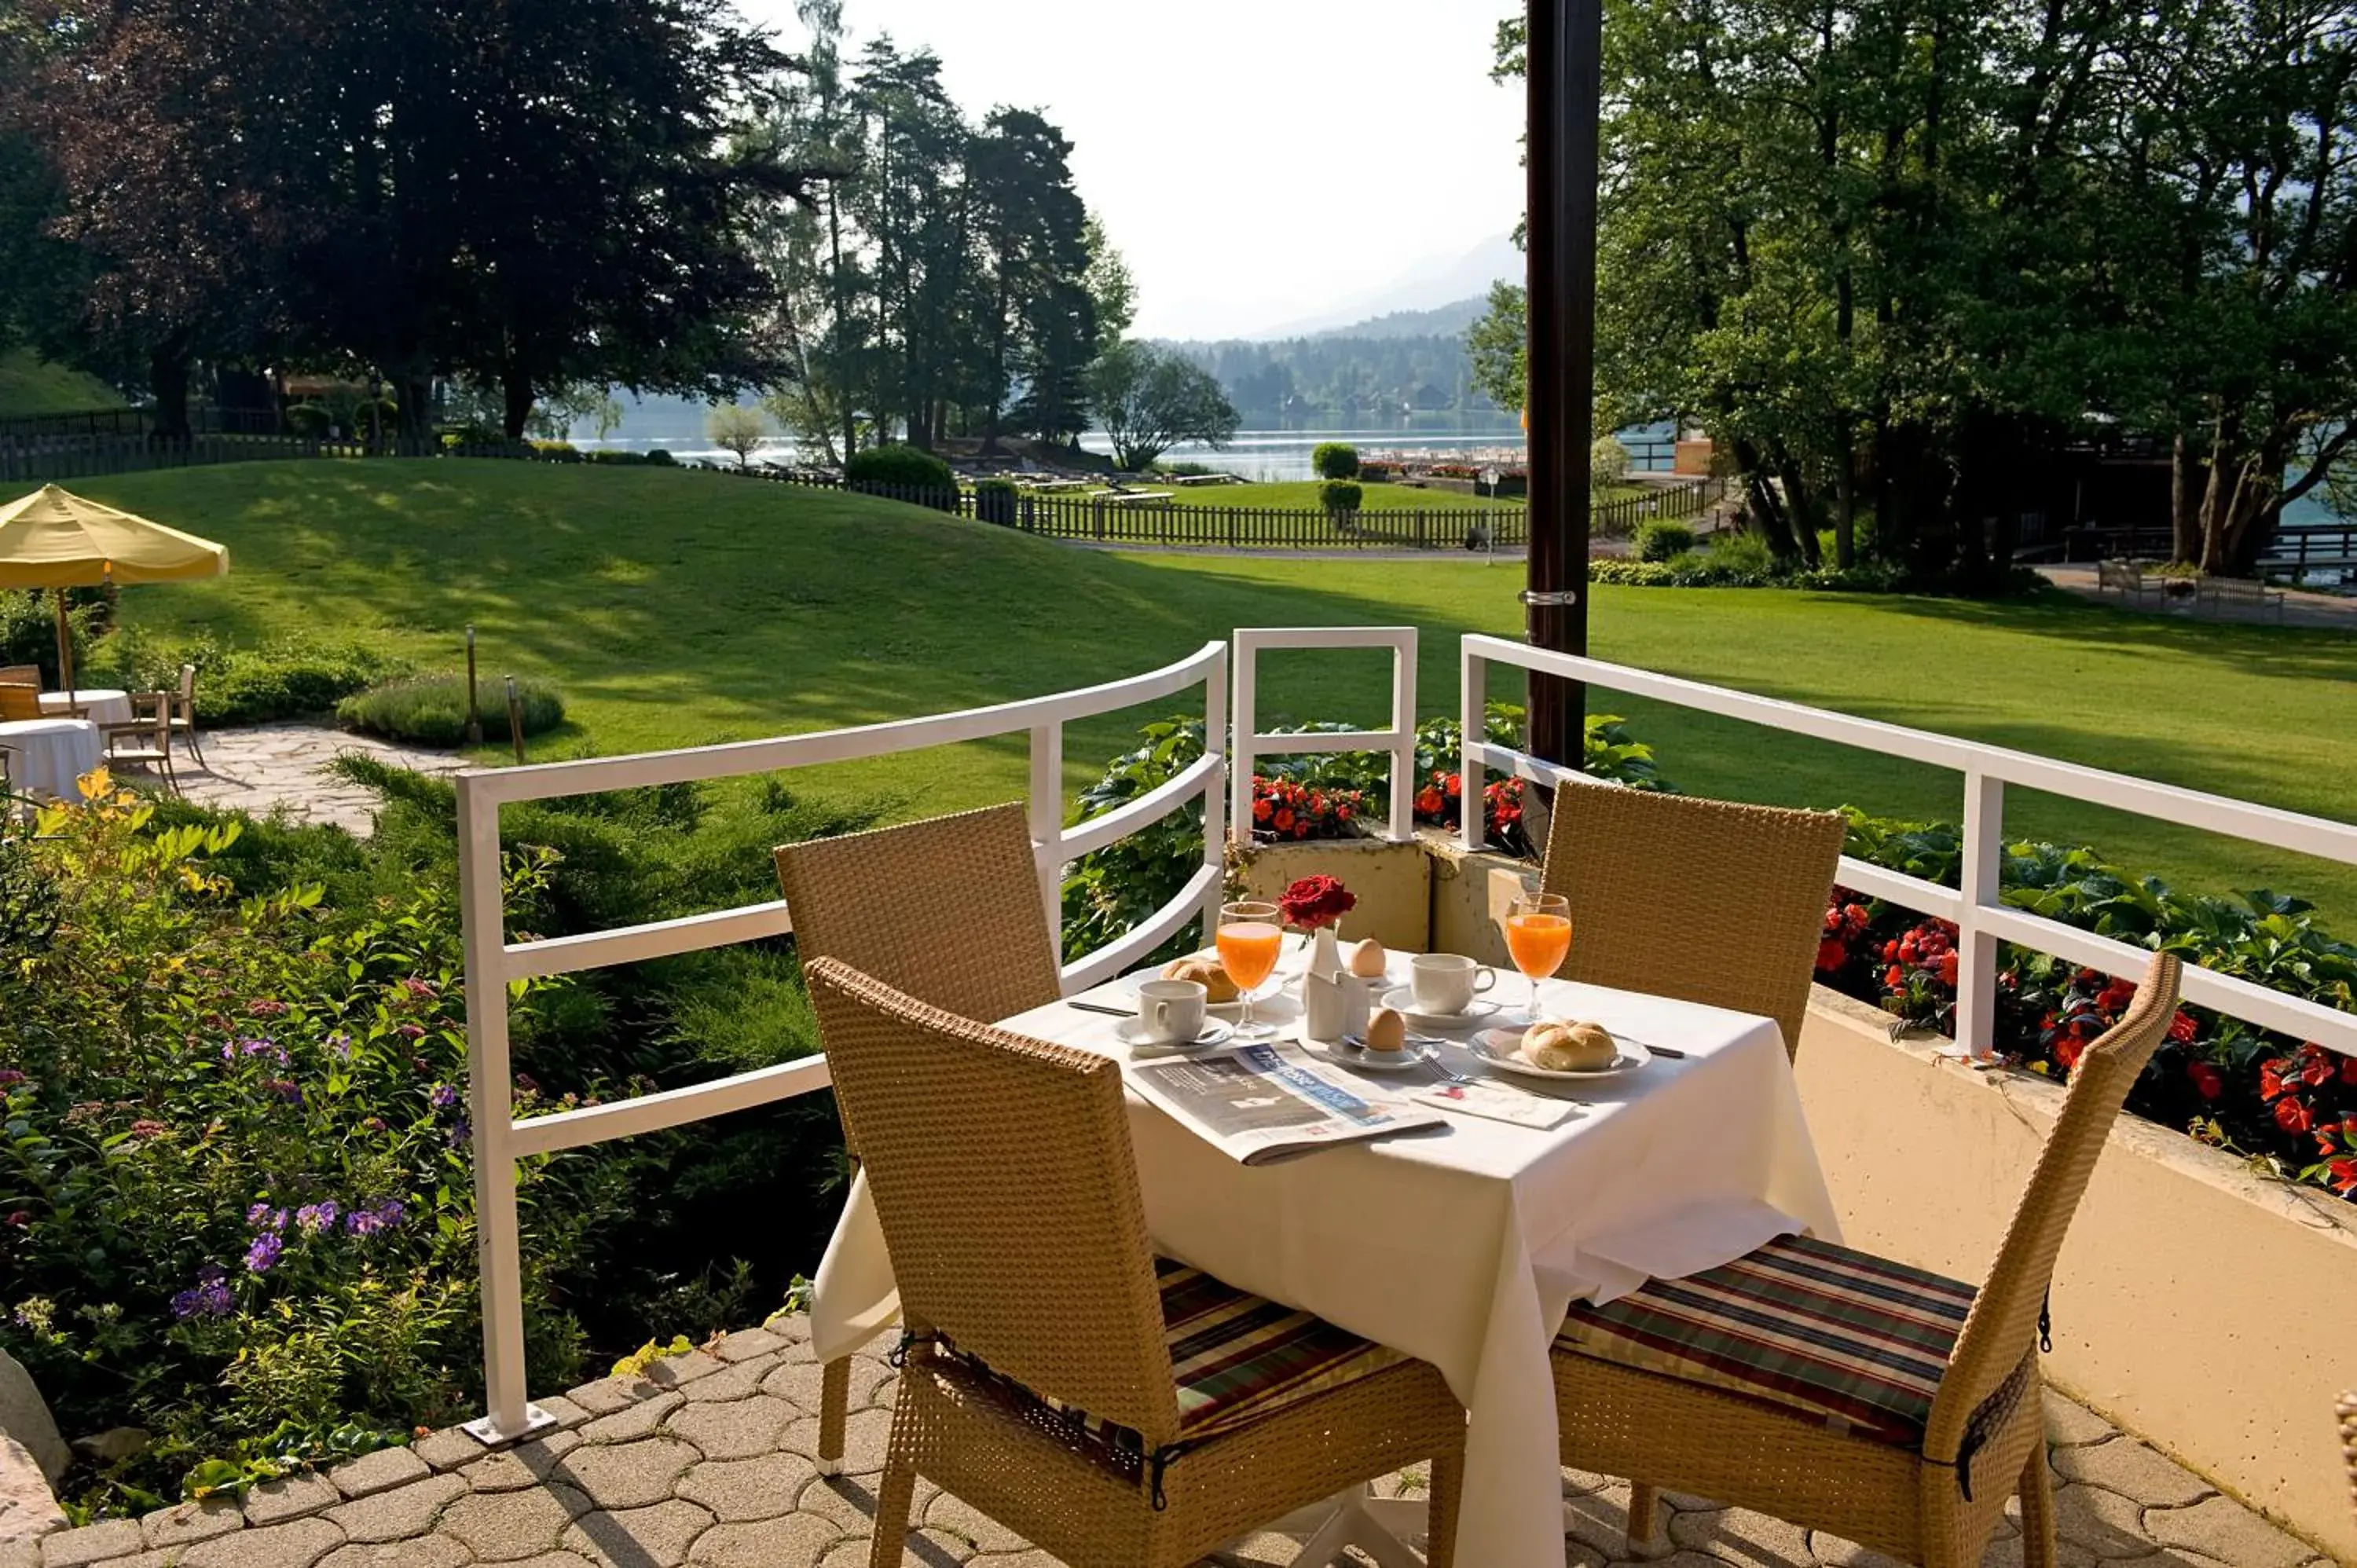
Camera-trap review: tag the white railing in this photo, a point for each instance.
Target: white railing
(1982, 919)
(1399, 739)
(492, 962)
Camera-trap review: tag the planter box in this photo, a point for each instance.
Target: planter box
(1389, 879)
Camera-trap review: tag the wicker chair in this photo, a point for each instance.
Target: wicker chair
(1005, 1183)
(18, 703)
(1844, 1392)
(144, 742)
(2347, 1411)
(883, 903)
(1702, 900)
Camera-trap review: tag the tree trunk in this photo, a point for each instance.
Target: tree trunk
(2184, 504)
(1846, 508)
(168, 379)
(515, 402)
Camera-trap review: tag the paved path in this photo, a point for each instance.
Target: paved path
(265, 767)
(706, 1462)
(2333, 611)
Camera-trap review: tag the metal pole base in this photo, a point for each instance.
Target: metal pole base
(828, 1466)
(487, 1430)
(1381, 1527)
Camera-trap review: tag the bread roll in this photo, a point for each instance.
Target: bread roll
(1386, 1032)
(1368, 959)
(1206, 972)
(1568, 1047)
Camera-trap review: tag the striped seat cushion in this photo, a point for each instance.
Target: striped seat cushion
(1813, 1326)
(1236, 1358)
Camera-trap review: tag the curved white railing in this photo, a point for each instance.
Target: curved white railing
(492, 962)
(1983, 919)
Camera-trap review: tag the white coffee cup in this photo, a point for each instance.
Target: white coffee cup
(1171, 1011)
(1447, 982)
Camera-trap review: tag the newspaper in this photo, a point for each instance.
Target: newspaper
(1264, 1102)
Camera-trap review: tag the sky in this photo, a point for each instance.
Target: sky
(1258, 162)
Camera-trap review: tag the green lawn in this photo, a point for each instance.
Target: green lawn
(29, 385)
(678, 607)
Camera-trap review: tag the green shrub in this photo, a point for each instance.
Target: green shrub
(1377, 473)
(1185, 470)
(898, 468)
(995, 501)
(657, 458)
(1663, 541)
(28, 628)
(1607, 464)
(430, 710)
(286, 678)
(556, 451)
(1335, 460)
(1740, 550)
(1340, 496)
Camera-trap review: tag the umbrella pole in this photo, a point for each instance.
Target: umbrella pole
(65, 650)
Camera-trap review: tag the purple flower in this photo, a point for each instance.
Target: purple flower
(315, 1217)
(461, 1134)
(9, 1075)
(285, 1089)
(443, 1097)
(264, 1251)
(261, 1217)
(209, 1297)
(410, 1032)
(342, 1045)
(369, 1220)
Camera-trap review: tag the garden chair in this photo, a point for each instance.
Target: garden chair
(144, 742)
(948, 910)
(1118, 1409)
(1848, 1393)
(19, 702)
(184, 714)
(1704, 900)
(21, 675)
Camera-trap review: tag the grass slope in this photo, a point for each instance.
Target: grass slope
(678, 607)
(30, 385)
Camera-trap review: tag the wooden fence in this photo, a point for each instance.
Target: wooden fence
(63, 454)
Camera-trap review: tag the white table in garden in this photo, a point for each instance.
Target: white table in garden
(1464, 1248)
(46, 755)
(100, 704)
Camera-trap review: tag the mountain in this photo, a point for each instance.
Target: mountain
(1433, 284)
(1446, 321)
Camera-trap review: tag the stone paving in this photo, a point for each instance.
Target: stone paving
(2336, 612)
(283, 767)
(706, 1462)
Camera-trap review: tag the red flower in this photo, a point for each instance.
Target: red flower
(1890, 951)
(2206, 1077)
(2271, 1081)
(2183, 1029)
(1456, 784)
(1831, 954)
(147, 1129)
(1948, 967)
(2343, 1174)
(1284, 819)
(2348, 1071)
(1315, 901)
(1261, 809)
(2069, 1047)
(1894, 979)
(1428, 801)
(2315, 1067)
(2292, 1114)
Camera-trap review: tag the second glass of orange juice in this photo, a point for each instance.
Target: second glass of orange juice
(1538, 934)
(1249, 938)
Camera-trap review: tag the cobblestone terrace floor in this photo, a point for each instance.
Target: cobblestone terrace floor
(265, 767)
(706, 1462)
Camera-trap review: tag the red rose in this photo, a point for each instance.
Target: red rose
(1831, 954)
(2292, 1114)
(2207, 1079)
(1315, 901)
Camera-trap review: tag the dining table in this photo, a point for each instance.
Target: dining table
(100, 704)
(48, 755)
(1464, 1245)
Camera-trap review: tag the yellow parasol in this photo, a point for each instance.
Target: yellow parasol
(51, 539)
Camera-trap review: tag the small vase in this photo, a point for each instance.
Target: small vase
(1326, 953)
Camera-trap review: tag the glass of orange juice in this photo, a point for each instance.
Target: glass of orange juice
(1249, 936)
(1538, 933)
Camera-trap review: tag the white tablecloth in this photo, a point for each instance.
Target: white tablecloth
(99, 704)
(46, 755)
(1465, 1249)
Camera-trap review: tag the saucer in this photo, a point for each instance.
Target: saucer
(1131, 1033)
(1501, 1048)
(1402, 999)
(1342, 1054)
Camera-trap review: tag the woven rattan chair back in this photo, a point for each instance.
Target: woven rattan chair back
(1704, 900)
(21, 675)
(17, 703)
(2002, 1330)
(947, 909)
(2347, 1411)
(1007, 1193)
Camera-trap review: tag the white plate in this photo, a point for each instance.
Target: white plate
(1402, 999)
(1418, 1052)
(1501, 1048)
(1131, 1032)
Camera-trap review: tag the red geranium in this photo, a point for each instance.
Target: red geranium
(1316, 901)
(2206, 1079)
(2293, 1115)
(1831, 954)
